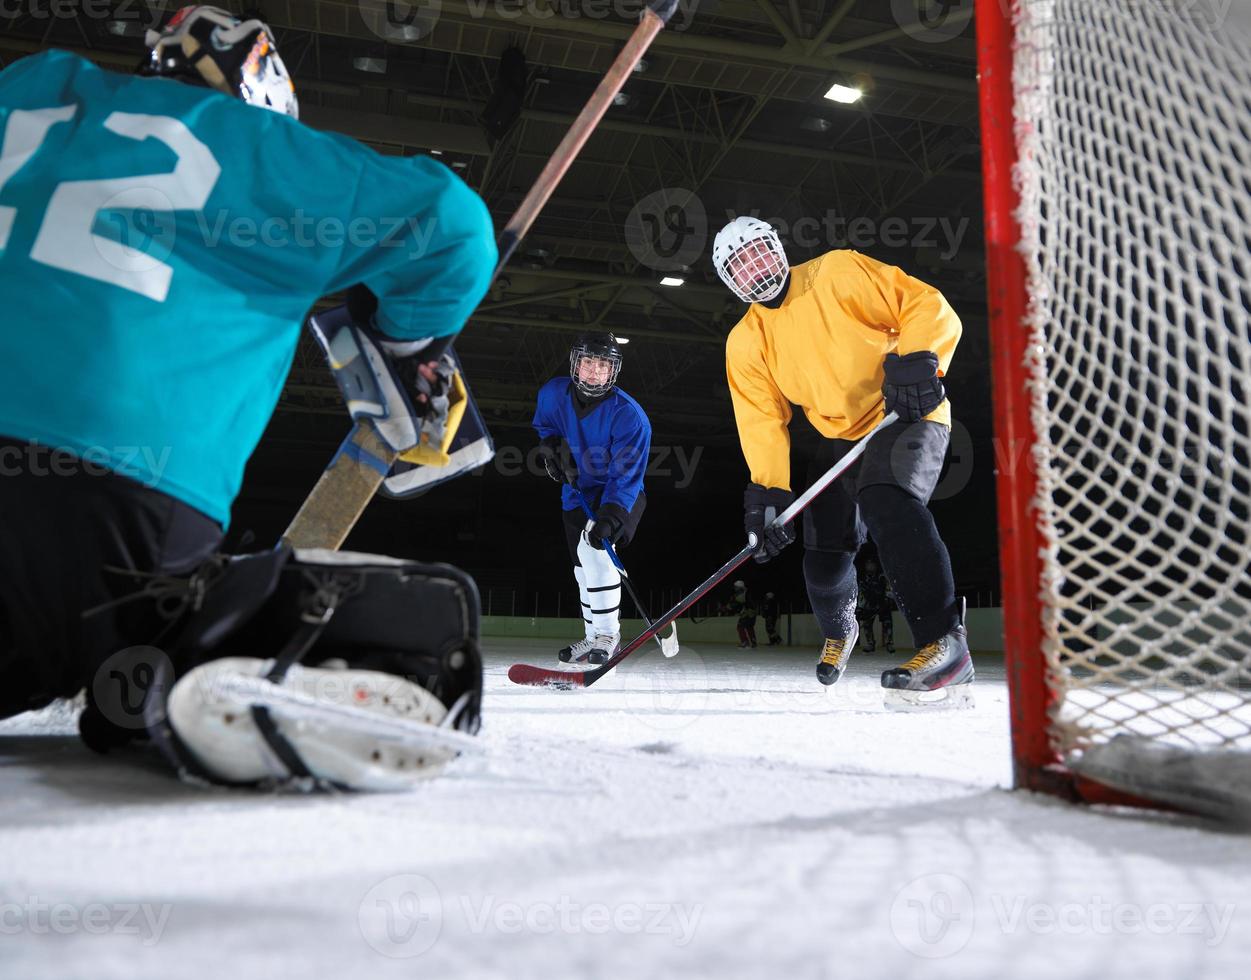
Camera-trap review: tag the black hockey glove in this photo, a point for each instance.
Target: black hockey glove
(760, 506)
(912, 389)
(558, 467)
(609, 527)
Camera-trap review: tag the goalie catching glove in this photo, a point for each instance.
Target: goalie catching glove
(410, 389)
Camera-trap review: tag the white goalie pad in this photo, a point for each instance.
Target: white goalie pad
(360, 729)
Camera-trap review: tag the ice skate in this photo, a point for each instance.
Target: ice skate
(834, 657)
(602, 647)
(576, 652)
(940, 675)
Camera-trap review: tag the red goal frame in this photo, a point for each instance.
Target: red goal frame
(1036, 763)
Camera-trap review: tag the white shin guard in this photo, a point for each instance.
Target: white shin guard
(585, 598)
(603, 587)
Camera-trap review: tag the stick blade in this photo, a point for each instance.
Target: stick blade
(561, 680)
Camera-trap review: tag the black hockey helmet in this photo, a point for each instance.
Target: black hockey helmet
(209, 46)
(596, 347)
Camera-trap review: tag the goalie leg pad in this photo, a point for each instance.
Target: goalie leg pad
(363, 654)
(356, 729)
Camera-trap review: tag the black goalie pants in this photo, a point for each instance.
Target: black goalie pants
(70, 538)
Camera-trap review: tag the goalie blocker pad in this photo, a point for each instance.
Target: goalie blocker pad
(372, 390)
(410, 620)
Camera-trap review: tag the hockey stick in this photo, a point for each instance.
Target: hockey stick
(668, 644)
(363, 460)
(569, 679)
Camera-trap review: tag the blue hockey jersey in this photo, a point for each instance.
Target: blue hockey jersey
(160, 245)
(610, 442)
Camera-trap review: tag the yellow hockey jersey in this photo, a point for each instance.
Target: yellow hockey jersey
(823, 349)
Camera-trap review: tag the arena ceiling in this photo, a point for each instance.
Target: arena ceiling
(727, 116)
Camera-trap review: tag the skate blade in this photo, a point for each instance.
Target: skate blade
(954, 697)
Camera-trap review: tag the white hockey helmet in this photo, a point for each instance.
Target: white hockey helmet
(210, 46)
(749, 258)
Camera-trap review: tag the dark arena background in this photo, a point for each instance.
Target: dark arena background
(1065, 790)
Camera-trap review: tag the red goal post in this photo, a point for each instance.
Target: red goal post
(1120, 322)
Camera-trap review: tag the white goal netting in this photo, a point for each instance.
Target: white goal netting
(1134, 135)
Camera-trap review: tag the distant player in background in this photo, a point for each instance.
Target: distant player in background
(146, 355)
(874, 602)
(607, 438)
(848, 339)
(770, 610)
(744, 607)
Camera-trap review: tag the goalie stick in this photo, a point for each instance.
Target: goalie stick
(362, 462)
(668, 644)
(567, 680)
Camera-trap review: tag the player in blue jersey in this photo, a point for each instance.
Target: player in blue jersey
(608, 438)
(162, 236)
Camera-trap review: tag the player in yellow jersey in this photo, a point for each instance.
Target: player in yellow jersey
(847, 339)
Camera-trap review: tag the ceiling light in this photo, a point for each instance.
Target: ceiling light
(375, 66)
(436, 153)
(672, 281)
(844, 94)
(621, 98)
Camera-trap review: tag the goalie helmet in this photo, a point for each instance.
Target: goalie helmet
(210, 46)
(594, 363)
(749, 258)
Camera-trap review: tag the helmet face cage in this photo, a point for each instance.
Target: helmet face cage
(584, 352)
(749, 258)
(756, 271)
(210, 46)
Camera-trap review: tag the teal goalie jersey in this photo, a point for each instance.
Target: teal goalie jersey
(160, 245)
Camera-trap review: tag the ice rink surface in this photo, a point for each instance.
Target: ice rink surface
(720, 814)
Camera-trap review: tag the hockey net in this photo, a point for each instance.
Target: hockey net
(1119, 247)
